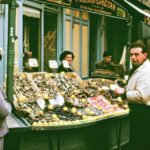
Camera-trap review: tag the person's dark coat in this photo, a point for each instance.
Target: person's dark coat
(105, 65)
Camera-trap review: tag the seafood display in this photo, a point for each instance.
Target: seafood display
(24, 87)
(46, 99)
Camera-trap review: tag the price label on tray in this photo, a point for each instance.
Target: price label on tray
(41, 103)
(53, 102)
(60, 100)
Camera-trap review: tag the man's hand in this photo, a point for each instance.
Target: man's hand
(119, 91)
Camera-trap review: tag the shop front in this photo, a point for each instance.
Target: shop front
(46, 31)
(86, 29)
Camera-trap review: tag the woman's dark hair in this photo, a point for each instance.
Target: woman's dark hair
(140, 44)
(64, 54)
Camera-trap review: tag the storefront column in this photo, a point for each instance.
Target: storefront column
(11, 42)
(128, 43)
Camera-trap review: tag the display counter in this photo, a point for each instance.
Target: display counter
(63, 112)
(105, 134)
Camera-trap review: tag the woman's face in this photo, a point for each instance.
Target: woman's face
(69, 58)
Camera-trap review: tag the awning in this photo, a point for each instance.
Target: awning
(138, 9)
(31, 12)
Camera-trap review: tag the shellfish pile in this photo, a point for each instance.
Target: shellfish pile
(24, 87)
(45, 99)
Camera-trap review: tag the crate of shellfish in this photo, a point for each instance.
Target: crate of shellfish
(24, 87)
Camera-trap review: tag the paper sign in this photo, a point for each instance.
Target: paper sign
(41, 103)
(53, 64)
(60, 100)
(33, 62)
(65, 64)
(53, 102)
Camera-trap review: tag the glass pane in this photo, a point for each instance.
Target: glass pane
(84, 51)
(76, 14)
(68, 26)
(85, 16)
(50, 38)
(68, 11)
(76, 47)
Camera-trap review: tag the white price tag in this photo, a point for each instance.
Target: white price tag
(53, 64)
(53, 102)
(41, 103)
(65, 64)
(33, 62)
(60, 100)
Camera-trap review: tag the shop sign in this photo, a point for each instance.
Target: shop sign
(104, 7)
(5, 1)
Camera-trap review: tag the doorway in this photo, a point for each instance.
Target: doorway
(31, 39)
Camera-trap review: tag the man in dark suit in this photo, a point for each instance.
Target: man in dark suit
(5, 109)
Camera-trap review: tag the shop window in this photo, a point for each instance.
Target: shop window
(31, 35)
(76, 34)
(50, 38)
(76, 14)
(76, 46)
(84, 51)
(68, 36)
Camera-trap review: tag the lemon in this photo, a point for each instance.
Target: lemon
(22, 99)
(45, 124)
(34, 124)
(65, 109)
(45, 96)
(39, 124)
(54, 116)
(73, 110)
(41, 112)
(79, 113)
(72, 96)
(83, 100)
(84, 117)
(50, 107)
